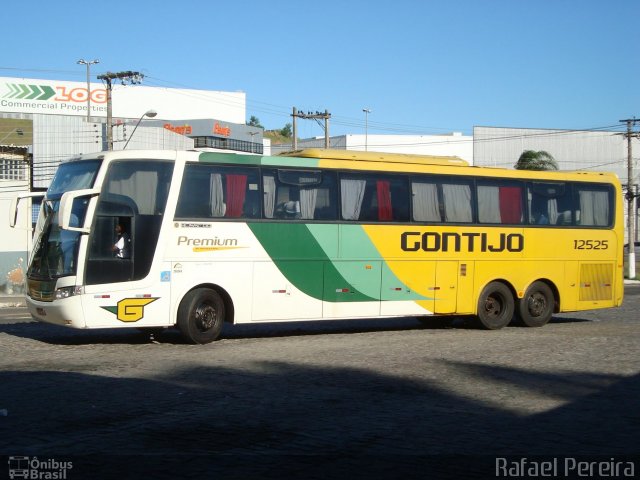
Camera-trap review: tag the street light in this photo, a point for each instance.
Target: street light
(148, 113)
(366, 126)
(252, 135)
(88, 63)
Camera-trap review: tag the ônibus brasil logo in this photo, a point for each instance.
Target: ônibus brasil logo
(32, 467)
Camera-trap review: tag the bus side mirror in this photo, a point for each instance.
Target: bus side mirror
(15, 201)
(66, 207)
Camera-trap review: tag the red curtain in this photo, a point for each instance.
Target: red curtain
(510, 204)
(384, 200)
(236, 192)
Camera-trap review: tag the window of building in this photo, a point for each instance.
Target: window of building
(228, 144)
(11, 169)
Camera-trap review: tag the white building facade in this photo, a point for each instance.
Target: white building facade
(454, 144)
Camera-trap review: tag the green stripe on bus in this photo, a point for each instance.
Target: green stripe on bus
(239, 159)
(210, 157)
(291, 162)
(356, 244)
(291, 246)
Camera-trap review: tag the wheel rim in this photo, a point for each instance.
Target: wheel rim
(206, 316)
(537, 304)
(494, 306)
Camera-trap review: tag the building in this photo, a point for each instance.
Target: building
(452, 144)
(591, 150)
(572, 149)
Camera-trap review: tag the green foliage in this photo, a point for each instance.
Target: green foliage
(254, 122)
(276, 137)
(532, 160)
(287, 131)
(280, 135)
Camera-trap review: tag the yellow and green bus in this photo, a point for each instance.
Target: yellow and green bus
(318, 234)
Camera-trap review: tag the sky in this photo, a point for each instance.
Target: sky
(419, 66)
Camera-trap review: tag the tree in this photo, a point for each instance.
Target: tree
(254, 122)
(532, 160)
(287, 131)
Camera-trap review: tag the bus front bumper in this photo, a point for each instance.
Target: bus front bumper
(65, 311)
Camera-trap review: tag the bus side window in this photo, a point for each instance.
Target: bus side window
(214, 191)
(299, 194)
(456, 198)
(500, 202)
(550, 203)
(593, 205)
(374, 198)
(425, 202)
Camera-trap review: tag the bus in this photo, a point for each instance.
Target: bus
(214, 238)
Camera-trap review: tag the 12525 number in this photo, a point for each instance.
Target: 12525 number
(590, 244)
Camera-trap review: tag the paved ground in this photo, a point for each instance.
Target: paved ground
(375, 397)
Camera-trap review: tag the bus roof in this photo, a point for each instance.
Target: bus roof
(358, 155)
(358, 160)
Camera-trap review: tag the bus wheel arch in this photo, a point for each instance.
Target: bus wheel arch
(496, 305)
(538, 303)
(202, 312)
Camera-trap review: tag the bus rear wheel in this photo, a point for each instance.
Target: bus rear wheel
(495, 306)
(201, 315)
(536, 307)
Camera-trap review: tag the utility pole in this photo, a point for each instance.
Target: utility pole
(311, 116)
(295, 130)
(631, 196)
(128, 77)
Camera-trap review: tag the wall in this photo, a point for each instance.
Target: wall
(573, 149)
(455, 144)
(14, 242)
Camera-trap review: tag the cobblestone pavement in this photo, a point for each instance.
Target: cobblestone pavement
(384, 393)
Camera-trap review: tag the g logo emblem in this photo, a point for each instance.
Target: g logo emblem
(130, 309)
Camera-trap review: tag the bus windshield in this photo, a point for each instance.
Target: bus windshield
(56, 250)
(73, 176)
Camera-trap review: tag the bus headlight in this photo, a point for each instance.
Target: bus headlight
(66, 292)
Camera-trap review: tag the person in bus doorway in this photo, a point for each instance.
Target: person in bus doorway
(123, 242)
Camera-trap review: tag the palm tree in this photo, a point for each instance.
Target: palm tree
(532, 160)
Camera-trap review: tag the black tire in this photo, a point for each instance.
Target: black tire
(495, 306)
(536, 307)
(201, 315)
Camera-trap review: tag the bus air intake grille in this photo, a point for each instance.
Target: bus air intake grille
(596, 280)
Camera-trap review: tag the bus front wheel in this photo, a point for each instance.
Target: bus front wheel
(201, 315)
(495, 306)
(536, 307)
